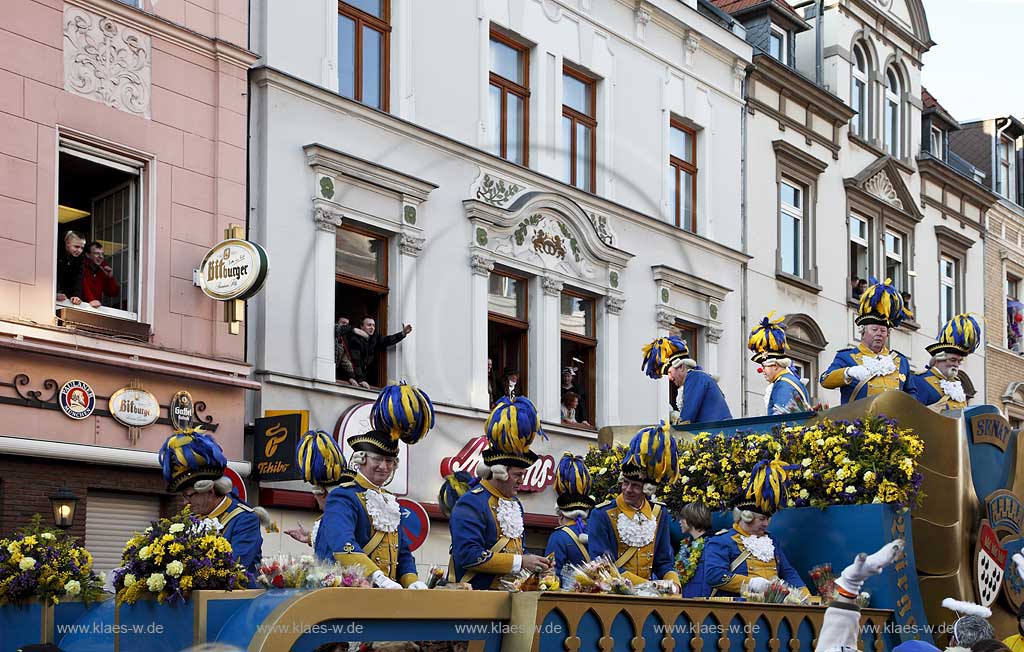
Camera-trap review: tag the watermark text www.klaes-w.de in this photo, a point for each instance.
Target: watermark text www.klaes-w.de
(483, 629)
(705, 628)
(139, 629)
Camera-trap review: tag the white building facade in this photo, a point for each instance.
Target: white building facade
(537, 183)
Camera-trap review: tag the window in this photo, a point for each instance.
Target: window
(777, 45)
(1004, 180)
(361, 290)
(894, 258)
(806, 342)
(859, 92)
(893, 114)
(791, 227)
(689, 333)
(1014, 314)
(579, 351)
(509, 99)
(949, 298)
(99, 226)
(579, 129)
(682, 165)
(938, 150)
(860, 255)
(508, 328)
(364, 32)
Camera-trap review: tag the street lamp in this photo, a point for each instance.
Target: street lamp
(64, 503)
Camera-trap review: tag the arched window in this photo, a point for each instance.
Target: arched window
(806, 342)
(859, 92)
(893, 113)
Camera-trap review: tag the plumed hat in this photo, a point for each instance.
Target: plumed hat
(961, 335)
(401, 412)
(510, 430)
(881, 304)
(572, 484)
(653, 456)
(662, 354)
(189, 456)
(767, 340)
(320, 460)
(767, 490)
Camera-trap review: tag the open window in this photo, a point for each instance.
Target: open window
(361, 289)
(99, 251)
(860, 255)
(508, 331)
(579, 353)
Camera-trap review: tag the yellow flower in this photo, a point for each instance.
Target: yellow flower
(129, 580)
(27, 563)
(29, 541)
(156, 582)
(144, 553)
(175, 568)
(176, 527)
(72, 587)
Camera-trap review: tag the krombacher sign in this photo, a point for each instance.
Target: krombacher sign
(233, 269)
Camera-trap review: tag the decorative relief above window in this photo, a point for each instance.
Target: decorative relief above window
(880, 186)
(494, 190)
(106, 62)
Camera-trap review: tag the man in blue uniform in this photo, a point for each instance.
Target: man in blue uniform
(632, 529)
(748, 553)
(323, 466)
(487, 521)
(193, 464)
(568, 543)
(362, 520)
(699, 398)
(872, 368)
(785, 392)
(939, 386)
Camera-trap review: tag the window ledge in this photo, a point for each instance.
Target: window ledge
(797, 281)
(910, 324)
(95, 321)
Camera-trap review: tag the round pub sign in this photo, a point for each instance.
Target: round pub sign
(233, 269)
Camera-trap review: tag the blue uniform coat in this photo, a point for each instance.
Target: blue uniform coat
(698, 586)
(833, 378)
(242, 530)
(720, 552)
(474, 529)
(701, 399)
(564, 547)
(604, 540)
(786, 387)
(928, 391)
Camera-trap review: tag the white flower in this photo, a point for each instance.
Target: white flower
(808, 473)
(850, 489)
(148, 530)
(12, 547)
(48, 536)
(805, 462)
(27, 563)
(869, 476)
(638, 531)
(129, 580)
(954, 389)
(762, 548)
(383, 510)
(841, 473)
(156, 582)
(804, 494)
(103, 578)
(144, 552)
(175, 568)
(73, 587)
(510, 518)
(176, 527)
(684, 479)
(306, 559)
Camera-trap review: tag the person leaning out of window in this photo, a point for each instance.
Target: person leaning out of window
(70, 268)
(97, 276)
(364, 344)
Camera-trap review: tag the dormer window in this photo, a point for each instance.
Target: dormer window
(1004, 178)
(777, 44)
(938, 141)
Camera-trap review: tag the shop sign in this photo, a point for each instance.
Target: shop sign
(135, 408)
(77, 400)
(181, 411)
(233, 269)
(538, 477)
(276, 438)
(415, 522)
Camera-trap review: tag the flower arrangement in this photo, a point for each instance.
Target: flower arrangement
(600, 575)
(689, 556)
(841, 463)
(284, 572)
(46, 565)
(604, 463)
(825, 581)
(174, 557)
(777, 592)
(353, 577)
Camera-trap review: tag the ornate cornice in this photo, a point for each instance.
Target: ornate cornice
(410, 245)
(552, 286)
(614, 305)
(326, 220)
(481, 265)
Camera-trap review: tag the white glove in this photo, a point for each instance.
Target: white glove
(382, 581)
(858, 373)
(418, 586)
(864, 566)
(1018, 561)
(757, 584)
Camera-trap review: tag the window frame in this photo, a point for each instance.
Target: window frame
(892, 114)
(522, 325)
(783, 35)
(382, 25)
(938, 143)
(682, 326)
(589, 341)
(1006, 166)
(953, 282)
(799, 215)
(383, 291)
(899, 256)
(590, 121)
(506, 87)
(678, 167)
(859, 122)
(866, 242)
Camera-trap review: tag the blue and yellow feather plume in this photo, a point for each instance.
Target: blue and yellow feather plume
(319, 458)
(453, 487)
(655, 452)
(513, 425)
(769, 336)
(403, 411)
(882, 302)
(189, 450)
(768, 486)
(660, 352)
(962, 332)
(572, 476)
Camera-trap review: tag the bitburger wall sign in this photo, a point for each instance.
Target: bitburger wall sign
(233, 269)
(134, 407)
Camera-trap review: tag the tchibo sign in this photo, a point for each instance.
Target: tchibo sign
(233, 269)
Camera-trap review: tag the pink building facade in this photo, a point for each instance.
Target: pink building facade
(122, 129)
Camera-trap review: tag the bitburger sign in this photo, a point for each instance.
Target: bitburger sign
(233, 269)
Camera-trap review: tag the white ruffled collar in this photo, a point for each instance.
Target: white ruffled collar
(954, 389)
(510, 518)
(638, 531)
(761, 548)
(383, 509)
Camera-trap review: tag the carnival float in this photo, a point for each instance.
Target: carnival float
(871, 471)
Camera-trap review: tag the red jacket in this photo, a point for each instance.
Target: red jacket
(96, 284)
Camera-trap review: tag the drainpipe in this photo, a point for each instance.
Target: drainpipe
(744, 269)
